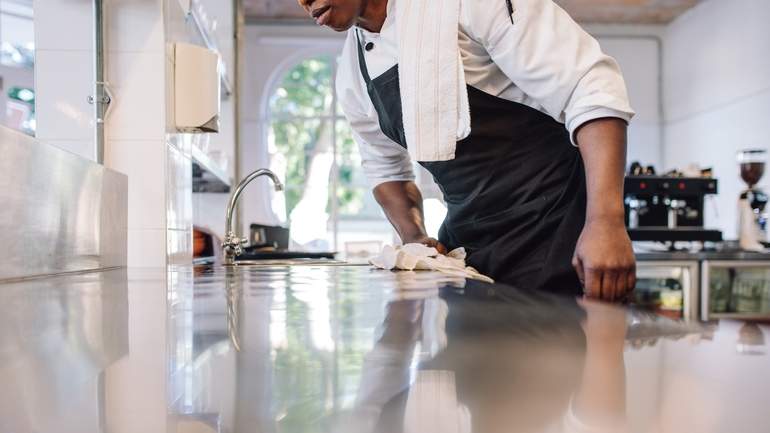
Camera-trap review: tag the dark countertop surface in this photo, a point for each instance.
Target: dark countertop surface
(349, 349)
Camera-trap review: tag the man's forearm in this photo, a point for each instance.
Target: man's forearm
(402, 203)
(603, 148)
(604, 257)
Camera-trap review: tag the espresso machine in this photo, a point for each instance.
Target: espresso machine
(752, 205)
(668, 208)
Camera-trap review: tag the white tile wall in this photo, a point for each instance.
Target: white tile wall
(63, 82)
(50, 34)
(222, 143)
(135, 25)
(179, 247)
(179, 210)
(138, 82)
(170, 95)
(209, 212)
(146, 247)
(145, 164)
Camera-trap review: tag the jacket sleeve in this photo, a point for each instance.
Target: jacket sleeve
(550, 58)
(383, 160)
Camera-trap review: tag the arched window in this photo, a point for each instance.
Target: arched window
(328, 203)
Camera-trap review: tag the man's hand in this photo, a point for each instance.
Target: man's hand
(428, 241)
(604, 260)
(402, 203)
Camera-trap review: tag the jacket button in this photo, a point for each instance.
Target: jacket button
(369, 46)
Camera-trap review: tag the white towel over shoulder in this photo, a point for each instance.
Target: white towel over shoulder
(434, 96)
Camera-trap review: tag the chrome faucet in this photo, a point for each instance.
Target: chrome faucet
(233, 244)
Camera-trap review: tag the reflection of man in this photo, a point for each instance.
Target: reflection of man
(506, 363)
(602, 395)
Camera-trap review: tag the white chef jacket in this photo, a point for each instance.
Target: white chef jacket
(538, 56)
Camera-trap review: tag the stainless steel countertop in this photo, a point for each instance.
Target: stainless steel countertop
(702, 255)
(349, 349)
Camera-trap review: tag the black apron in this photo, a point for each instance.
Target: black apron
(515, 192)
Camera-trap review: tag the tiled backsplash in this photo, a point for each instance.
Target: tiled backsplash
(178, 206)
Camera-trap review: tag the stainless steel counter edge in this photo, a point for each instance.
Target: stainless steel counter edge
(704, 255)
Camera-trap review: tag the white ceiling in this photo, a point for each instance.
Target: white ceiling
(587, 11)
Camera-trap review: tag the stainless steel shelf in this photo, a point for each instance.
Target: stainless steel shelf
(214, 178)
(740, 316)
(703, 255)
(210, 42)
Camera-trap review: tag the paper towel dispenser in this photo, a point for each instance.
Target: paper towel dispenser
(196, 88)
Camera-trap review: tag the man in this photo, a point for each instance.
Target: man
(535, 192)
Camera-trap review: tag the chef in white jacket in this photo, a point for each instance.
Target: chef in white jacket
(534, 181)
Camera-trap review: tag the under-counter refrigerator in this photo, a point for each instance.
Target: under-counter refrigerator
(669, 288)
(735, 289)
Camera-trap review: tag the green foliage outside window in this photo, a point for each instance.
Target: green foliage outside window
(302, 117)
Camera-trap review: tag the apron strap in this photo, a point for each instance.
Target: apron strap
(362, 60)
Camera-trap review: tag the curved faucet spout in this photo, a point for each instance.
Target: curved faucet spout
(232, 245)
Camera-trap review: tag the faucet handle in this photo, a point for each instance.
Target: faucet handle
(233, 245)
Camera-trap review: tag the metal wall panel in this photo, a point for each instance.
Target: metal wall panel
(58, 211)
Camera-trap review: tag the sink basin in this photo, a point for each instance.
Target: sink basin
(291, 262)
(284, 255)
(286, 258)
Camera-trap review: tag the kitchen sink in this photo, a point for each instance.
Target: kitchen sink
(292, 262)
(249, 255)
(286, 258)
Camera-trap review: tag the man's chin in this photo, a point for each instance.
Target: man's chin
(340, 27)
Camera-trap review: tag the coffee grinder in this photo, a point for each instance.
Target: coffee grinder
(752, 215)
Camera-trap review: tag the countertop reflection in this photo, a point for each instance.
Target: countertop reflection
(349, 349)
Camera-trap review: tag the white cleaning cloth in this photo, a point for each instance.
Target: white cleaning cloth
(434, 96)
(412, 257)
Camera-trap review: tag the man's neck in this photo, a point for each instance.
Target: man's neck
(373, 16)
